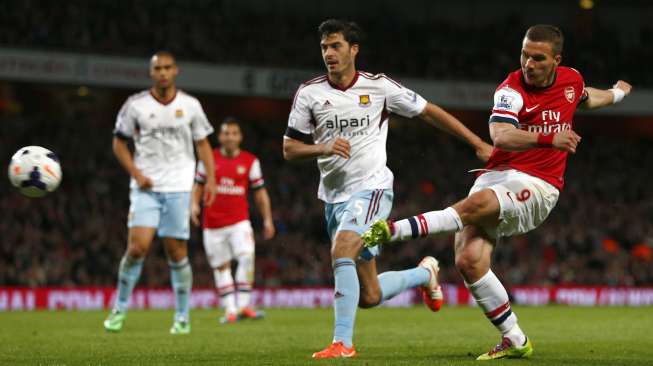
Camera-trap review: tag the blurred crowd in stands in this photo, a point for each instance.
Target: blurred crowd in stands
(212, 31)
(601, 232)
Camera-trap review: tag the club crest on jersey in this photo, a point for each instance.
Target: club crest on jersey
(364, 100)
(179, 113)
(570, 94)
(240, 170)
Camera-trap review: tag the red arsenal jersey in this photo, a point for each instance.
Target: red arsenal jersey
(533, 109)
(234, 177)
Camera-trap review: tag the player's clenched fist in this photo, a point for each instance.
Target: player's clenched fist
(337, 146)
(623, 86)
(143, 181)
(566, 141)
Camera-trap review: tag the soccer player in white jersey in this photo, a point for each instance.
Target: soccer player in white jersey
(342, 120)
(164, 124)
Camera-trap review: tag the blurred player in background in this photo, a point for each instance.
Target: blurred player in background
(228, 233)
(531, 126)
(164, 123)
(342, 120)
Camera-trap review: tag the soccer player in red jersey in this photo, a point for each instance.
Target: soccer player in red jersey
(532, 129)
(228, 233)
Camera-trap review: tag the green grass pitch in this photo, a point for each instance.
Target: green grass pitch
(413, 336)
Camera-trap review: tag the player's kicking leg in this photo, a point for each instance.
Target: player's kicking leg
(435, 222)
(473, 255)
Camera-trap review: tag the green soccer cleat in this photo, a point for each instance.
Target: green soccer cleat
(506, 350)
(114, 321)
(180, 327)
(378, 233)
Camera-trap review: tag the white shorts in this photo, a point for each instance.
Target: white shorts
(525, 200)
(226, 243)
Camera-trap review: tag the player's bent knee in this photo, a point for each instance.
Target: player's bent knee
(369, 299)
(464, 264)
(346, 245)
(470, 267)
(136, 251)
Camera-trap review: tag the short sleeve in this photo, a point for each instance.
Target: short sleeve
(256, 175)
(401, 100)
(125, 121)
(300, 126)
(507, 104)
(200, 125)
(200, 173)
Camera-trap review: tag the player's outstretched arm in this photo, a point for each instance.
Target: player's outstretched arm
(507, 137)
(298, 150)
(598, 98)
(262, 201)
(441, 119)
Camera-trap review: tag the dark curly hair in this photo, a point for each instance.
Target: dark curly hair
(350, 31)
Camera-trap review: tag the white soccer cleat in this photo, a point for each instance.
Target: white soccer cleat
(432, 293)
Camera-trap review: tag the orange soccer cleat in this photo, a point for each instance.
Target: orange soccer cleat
(249, 313)
(336, 350)
(431, 293)
(229, 318)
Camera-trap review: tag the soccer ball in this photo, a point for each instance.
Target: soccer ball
(35, 171)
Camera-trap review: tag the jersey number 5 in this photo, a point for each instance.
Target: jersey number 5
(358, 206)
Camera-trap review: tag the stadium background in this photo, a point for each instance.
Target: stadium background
(66, 67)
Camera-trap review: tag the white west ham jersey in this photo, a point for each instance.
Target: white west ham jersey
(163, 136)
(359, 113)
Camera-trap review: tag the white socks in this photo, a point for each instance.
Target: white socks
(224, 282)
(235, 297)
(492, 297)
(244, 280)
(433, 222)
